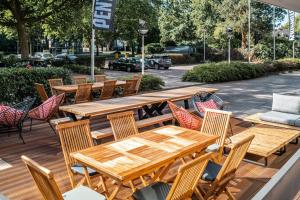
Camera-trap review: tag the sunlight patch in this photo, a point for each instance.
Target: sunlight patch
(4, 165)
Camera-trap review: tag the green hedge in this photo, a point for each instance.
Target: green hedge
(153, 48)
(86, 60)
(150, 82)
(222, 72)
(18, 83)
(81, 69)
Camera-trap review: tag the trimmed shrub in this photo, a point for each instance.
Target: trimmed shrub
(150, 82)
(153, 48)
(86, 60)
(18, 83)
(81, 69)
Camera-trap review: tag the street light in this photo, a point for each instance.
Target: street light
(143, 30)
(229, 34)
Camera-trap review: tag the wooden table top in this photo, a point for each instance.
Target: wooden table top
(73, 88)
(132, 102)
(267, 139)
(138, 155)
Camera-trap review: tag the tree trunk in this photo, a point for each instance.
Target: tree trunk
(132, 48)
(244, 40)
(23, 39)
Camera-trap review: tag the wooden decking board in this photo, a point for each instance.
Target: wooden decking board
(43, 146)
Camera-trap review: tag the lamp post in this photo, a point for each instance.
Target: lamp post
(143, 30)
(204, 41)
(229, 34)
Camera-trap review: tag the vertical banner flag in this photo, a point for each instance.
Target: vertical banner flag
(103, 16)
(292, 25)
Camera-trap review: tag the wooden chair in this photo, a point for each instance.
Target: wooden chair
(44, 180)
(41, 91)
(219, 176)
(108, 89)
(138, 83)
(100, 78)
(216, 122)
(55, 82)
(75, 136)
(183, 187)
(80, 80)
(130, 87)
(123, 124)
(83, 93)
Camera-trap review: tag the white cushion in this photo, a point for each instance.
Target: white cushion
(286, 103)
(82, 193)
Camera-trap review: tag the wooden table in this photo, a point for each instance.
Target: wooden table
(73, 88)
(268, 140)
(142, 154)
(149, 102)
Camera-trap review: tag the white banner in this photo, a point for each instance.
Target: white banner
(103, 16)
(292, 25)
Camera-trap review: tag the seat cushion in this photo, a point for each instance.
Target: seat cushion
(280, 117)
(187, 120)
(79, 169)
(212, 148)
(297, 122)
(211, 171)
(45, 109)
(156, 191)
(286, 103)
(81, 193)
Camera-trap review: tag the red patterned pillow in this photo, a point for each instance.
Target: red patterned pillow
(208, 104)
(45, 109)
(9, 116)
(186, 120)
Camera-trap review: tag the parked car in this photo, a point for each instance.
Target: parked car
(65, 57)
(43, 56)
(126, 64)
(159, 61)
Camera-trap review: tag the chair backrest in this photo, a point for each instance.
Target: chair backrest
(187, 178)
(203, 97)
(41, 91)
(236, 155)
(100, 78)
(130, 87)
(83, 93)
(80, 80)
(108, 89)
(74, 136)
(138, 83)
(123, 124)
(216, 123)
(44, 180)
(55, 82)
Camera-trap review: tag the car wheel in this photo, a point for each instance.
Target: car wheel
(128, 69)
(156, 66)
(166, 68)
(110, 67)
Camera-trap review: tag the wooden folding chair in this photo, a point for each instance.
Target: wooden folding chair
(41, 91)
(184, 186)
(44, 180)
(100, 78)
(216, 122)
(108, 89)
(138, 83)
(83, 93)
(219, 176)
(130, 87)
(75, 136)
(80, 80)
(55, 82)
(123, 124)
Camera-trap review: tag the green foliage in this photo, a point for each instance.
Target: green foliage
(153, 48)
(82, 69)
(18, 83)
(86, 60)
(150, 82)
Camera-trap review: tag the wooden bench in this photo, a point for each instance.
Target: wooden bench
(107, 132)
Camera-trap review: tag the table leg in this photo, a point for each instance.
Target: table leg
(115, 192)
(140, 113)
(87, 177)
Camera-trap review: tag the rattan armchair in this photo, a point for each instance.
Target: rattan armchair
(55, 82)
(83, 93)
(184, 186)
(216, 123)
(123, 124)
(80, 80)
(218, 176)
(108, 89)
(41, 91)
(75, 136)
(46, 183)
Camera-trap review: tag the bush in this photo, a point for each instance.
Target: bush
(80, 69)
(153, 48)
(18, 83)
(150, 82)
(86, 60)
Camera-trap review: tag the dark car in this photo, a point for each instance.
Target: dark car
(159, 61)
(67, 58)
(126, 64)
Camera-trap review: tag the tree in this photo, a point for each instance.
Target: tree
(21, 15)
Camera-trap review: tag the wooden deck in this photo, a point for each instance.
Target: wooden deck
(43, 146)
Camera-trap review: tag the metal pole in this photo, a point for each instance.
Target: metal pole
(249, 30)
(143, 55)
(204, 38)
(274, 36)
(229, 48)
(93, 54)
(294, 49)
